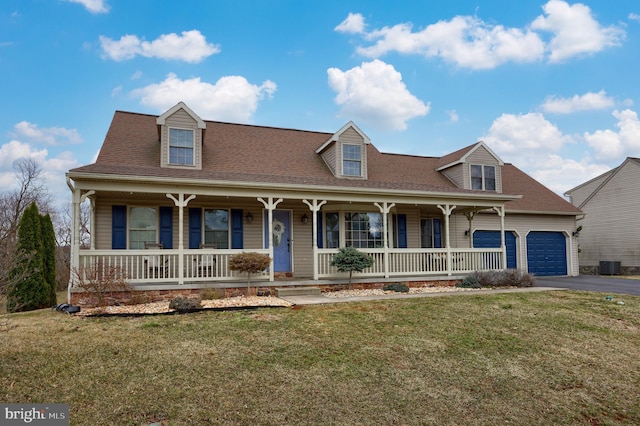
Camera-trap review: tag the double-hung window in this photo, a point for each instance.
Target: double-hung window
(216, 227)
(142, 227)
(181, 143)
(351, 160)
(483, 177)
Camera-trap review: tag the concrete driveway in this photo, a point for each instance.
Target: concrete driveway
(592, 283)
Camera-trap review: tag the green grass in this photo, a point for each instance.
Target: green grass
(521, 358)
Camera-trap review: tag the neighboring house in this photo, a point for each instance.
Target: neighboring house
(609, 231)
(173, 196)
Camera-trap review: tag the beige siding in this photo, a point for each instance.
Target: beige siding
(352, 137)
(330, 157)
(610, 228)
(182, 120)
(456, 174)
(483, 157)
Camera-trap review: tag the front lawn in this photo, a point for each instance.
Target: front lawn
(539, 358)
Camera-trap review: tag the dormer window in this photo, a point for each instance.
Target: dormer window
(483, 177)
(351, 160)
(181, 147)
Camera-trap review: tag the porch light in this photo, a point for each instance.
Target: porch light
(466, 233)
(305, 219)
(249, 217)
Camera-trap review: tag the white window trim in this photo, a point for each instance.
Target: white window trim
(484, 179)
(342, 146)
(193, 140)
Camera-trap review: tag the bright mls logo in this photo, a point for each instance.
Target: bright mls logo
(37, 414)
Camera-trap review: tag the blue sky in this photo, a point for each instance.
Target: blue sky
(551, 86)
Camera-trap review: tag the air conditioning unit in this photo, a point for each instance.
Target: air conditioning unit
(609, 267)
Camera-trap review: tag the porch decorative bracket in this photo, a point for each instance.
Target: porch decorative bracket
(181, 201)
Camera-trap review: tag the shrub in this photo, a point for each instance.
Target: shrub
(250, 263)
(399, 287)
(349, 259)
(183, 304)
(211, 293)
(101, 280)
(506, 278)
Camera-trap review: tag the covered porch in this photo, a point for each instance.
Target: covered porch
(389, 226)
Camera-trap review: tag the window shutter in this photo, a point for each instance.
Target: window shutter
(236, 229)
(118, 227)
(166, 227)
(437, 233)
(401, 222)
(195, 227)
(320, 239)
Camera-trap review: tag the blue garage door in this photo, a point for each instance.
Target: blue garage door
(491, 239)
(547, 253)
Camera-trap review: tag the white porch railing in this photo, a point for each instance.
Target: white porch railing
(412, 262)
(163, 266)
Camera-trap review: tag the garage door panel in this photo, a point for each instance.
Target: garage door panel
(547, 253)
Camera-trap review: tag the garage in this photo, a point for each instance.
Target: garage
(491, 239)
(547, 253)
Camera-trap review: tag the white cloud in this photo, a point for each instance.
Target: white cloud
(53, 168)
(231, 98)
(374, 92)
(190, 46)
(93, 6)
(617, 145)
(532, 143)
(524, 134)
(575, 31)
(634, 17)
(469, 42)
(453, 116)
(464, 41)
(588, 101)
(47, 136)
(353, 24)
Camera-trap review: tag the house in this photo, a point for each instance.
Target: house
(609, 230)
(174, 196)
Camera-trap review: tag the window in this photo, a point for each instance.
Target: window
(363, 230)
(332, 225)
(181, 147)
(142, 227)
(351, 160)
(430, 233)
(483, 177)
(216, 228)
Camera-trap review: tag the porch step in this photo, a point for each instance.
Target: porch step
(297, 291)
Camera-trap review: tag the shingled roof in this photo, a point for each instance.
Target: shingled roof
(249, 153)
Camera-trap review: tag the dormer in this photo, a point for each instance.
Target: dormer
(345, 153)
(181, 133)
(474, 167)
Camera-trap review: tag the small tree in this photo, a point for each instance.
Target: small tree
(32, 290)
(349, 259)
(49, 256)
(101, 280)
(250, 263)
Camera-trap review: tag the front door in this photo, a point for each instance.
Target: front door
(281, 234)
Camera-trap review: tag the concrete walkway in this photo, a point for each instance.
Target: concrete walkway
(316, 300)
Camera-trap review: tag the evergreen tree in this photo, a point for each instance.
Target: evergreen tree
(31, 290)
(350, 259)
(49, 256)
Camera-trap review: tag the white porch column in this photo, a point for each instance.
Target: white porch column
(270, 206)
(314, 206)
(181, 203)
(470, 215)
(385, 209)
(446, 210)
(503, 245)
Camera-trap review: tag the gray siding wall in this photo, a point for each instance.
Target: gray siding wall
(578, 196)
(456, 174)
(610, 229)
(352, 137)
(330, 157)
